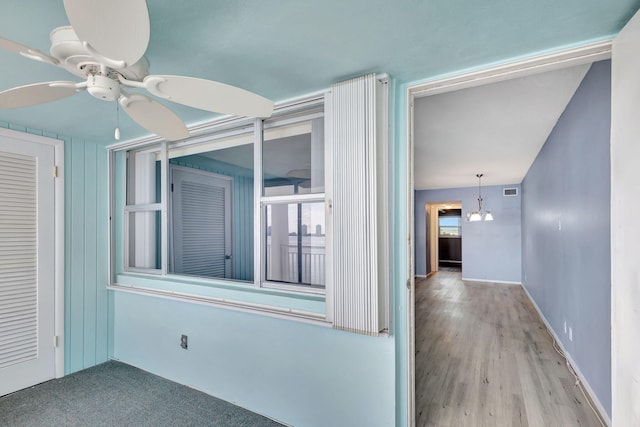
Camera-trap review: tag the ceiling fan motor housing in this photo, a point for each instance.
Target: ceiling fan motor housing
(103, 87)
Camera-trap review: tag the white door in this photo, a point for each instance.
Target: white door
(625, 227)
(201, 217)
(27, 277)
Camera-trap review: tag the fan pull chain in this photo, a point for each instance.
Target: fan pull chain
(117, 132)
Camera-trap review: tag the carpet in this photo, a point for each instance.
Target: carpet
(116, 394)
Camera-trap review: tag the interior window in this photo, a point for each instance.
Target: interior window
(293, 200)
(211, 216)
(142, 210)
(295, 243)
(293, 158)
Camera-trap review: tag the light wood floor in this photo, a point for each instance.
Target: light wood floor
(484, 358)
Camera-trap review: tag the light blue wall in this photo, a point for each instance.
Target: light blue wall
(491, 251)
(300, 374)
(566, 229)
(87, 306)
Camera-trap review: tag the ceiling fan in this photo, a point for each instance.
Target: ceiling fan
(105, 46)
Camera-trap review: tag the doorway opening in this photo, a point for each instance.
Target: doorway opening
(473, 148)
(444, 236)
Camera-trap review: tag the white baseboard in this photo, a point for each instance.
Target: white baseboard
(583, 380)
(504, 282)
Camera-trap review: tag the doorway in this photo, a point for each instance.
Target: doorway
(31, 260)
(444, 236)
(534, 66)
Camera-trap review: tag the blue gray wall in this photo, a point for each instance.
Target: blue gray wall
(490, 250)
(87, 304)
(566, 229)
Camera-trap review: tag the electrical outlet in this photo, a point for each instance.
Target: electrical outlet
(184, 342)
(559, 225)
(565, 326)
(570, 334)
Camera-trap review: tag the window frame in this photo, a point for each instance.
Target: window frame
(305, 110)
(261, 225)
(144, 207)
(280, 301)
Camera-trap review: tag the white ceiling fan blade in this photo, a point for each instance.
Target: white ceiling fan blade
(117, 29)
(154, 116)
(209, 95)
(34, 94)
(27, 51)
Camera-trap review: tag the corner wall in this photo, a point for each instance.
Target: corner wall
(490, 250)
(566, 230)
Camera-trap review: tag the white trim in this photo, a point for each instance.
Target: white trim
(258, 272)
(574, 365)
(59, 257)
(269, 310)
(411, 282)
(164, 211)
(209, 126)
(293, 198)
(58, 237)
(293, 287)
(328, 205)
(499, 282)
(111, 160)
(510, 70)
(440, 84)
(148, 207)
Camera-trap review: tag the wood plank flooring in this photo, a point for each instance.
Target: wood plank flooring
(484, 358)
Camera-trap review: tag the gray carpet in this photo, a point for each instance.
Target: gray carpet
(115, 394)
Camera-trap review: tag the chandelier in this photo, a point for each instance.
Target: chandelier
(479, 215)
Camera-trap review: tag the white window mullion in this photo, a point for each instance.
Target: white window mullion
(328, 209)
(258, 220)
(164, 217)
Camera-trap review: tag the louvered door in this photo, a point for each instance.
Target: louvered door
(201, 223)
(27, 354)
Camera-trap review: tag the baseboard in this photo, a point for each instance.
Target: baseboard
(583, 380)
(420, 276)
(503, 282)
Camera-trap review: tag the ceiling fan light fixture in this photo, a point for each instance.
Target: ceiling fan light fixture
(105, 47)
(103, 87)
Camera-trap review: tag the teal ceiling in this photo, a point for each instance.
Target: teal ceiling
(286, 48)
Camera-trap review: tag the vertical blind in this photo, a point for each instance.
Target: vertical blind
(18, 259)
(356, 295)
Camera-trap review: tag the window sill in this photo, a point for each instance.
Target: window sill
(243, 295)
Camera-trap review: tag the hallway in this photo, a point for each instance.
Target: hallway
(484, 358)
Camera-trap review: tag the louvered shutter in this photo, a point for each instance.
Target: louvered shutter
(18, 259)
(201, 224)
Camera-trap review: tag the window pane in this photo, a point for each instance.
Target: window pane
(449, 226)
(295, 243)
(144, 239)
(143, 177)
(211, 211)
(293, 159)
